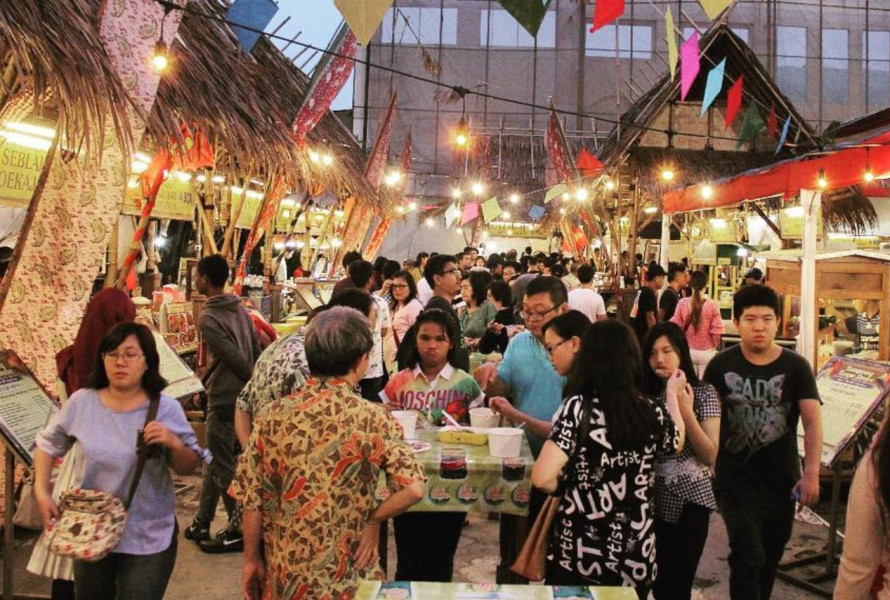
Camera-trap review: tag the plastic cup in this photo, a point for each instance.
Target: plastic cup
(505, 442)
(484, 417)
(408, 421)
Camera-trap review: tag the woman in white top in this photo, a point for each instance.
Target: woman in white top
(404, 307)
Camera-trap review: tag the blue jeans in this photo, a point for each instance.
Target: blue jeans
(125, 576)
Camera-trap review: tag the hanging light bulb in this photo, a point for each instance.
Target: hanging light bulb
(707, 191)
(667, 174)
(821, 179)
(581, 194)
(565, 196)
(159, 59)
(610, 185)
(869, 175)
(412, 206)
(514, 198)
(455, 193)
(505, 214)
(462, 132)
(478, 188)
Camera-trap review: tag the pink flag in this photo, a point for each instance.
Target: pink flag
(471, 211)
(689, 64)
(605, 12)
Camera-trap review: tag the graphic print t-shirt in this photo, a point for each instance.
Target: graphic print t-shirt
(453, 390)
(758, 427)
(603, 529)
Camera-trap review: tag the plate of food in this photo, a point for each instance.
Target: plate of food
(419, 446)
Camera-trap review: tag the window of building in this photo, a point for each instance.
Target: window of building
(742, 32)
(426, 24)
(876, 66)
(506, 32)
(791, 62)
(835, 63)
(634, 41)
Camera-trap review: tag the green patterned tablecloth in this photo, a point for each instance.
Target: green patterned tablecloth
(402, 590)
(464, 478)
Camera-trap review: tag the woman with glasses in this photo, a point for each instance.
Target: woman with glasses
(107, 419)
(404, 307)
(562, 339)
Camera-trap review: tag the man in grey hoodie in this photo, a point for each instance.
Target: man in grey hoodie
(232, 347)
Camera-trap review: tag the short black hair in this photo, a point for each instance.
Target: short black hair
(215, 268)
(152, 381)
(350, 257)
(572, 323)
(459, 256)
(501, 291)
(449, 326)
(654, 271)
(360, 272)
(391, 268)
(517, 266)
(468, 249)
(355, 298)
(479, 281)
(675, 268)
(557, 269)
(754, 295)
(550, 285)
(434, 266)
(585, 274)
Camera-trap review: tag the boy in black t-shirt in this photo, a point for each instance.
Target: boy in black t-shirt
(644, 313)
(764, 390)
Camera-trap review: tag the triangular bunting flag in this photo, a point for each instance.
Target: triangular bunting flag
(671, 38)
(713, 87)
(363, 16)
(528, 13)
(784, 135)
(451, 215)
(589, 165)
(254, 14)
(555, 192)
(752, 125)
(491, 210)
(713, 8)
(471, 211)
(605, 12)
(734, 100)
(689, 65)
(772, 122)
(536, 212)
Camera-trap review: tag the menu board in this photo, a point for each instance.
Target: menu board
(851, 390)
(182, 380)
(25, 407)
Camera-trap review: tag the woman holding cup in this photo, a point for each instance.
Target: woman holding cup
(430, 387)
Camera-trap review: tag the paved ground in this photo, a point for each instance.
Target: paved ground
(204, 577)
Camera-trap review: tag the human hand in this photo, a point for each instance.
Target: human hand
(485, 374)
(384, 288)
(503, 407)
(472, 343)
(676, 383)
(157, 433)
(49, 511)
(806, 491)
(365, 555)
(495, 327)
(253, 579)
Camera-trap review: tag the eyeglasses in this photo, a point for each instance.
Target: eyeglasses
(128, 357)
(399, 286)
(528, 315)
(446, 272)
(550, 349)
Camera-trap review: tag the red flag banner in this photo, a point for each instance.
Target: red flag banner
(195, 152)
(734, 100)
(772, 123)
(605, 12)
(264, 218)
(328, 79)
(589, 165)
(559, 165)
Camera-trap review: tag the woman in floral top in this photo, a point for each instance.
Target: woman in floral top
(309, 475)
(603, 532)
(684, 497)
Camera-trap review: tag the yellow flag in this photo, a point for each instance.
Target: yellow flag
(714, 7)
(671, 36)
(363, 16)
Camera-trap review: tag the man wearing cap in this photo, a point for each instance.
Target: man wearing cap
(643, 315)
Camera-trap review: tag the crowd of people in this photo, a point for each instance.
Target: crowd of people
(636, 423)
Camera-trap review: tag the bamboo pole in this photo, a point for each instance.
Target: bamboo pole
(321, 238)
(234, 216)
(304, 204)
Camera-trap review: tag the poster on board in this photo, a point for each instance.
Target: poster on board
(25, 406)
(182, 381)
(852, 390)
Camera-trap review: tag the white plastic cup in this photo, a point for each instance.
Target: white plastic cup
(484, 417)
(505, 442)
(408, 421)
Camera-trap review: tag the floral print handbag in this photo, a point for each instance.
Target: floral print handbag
(92, 522)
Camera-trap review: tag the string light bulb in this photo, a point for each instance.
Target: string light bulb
(412, 206)
(581, 194)
(707, 191)
(514, 198)
(478, 188)
(462, 132)
(455, 193)
(610, 185)
(821, 179)
(430, 222)
(667, 174)
(159, 59)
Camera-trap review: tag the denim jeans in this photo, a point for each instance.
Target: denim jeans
(219, 473)
(125, 576)
(759, 526)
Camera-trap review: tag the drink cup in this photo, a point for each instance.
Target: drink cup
(505, 442)
(484, 417)
(408, 421)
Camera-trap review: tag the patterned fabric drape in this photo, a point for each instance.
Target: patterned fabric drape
(264, 219)
(382, 229)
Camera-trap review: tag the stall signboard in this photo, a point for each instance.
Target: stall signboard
(181, 381)
(25, 407)
(19, 171)
(175, 200)
(791, 225)
(851, 391)
(248, 212)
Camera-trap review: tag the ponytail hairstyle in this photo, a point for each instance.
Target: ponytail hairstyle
(609, 367)
(697, 281)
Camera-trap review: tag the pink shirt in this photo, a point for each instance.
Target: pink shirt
(710, 326)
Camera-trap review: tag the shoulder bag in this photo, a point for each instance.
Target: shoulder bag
(532, 560)
(92, 522)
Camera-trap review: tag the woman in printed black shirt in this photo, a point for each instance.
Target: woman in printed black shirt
(603, 532)
(684, 497)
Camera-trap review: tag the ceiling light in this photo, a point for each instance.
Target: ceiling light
(462, 132)
(650, 210)
(514, 198)
(430, 222)
(412, 206)
(610, 185)
(565, 196)
(707, 191)
(581, 194)
(455, 193)
(821, 179)
(667, 174)
(478, 188)
(159, 59)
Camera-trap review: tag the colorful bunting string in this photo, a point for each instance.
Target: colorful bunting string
(363, 16)
(713, 8)
(589, 165)
(605, 12)
(491, 210)
(536, 212)
(714, 86)
(784, 135)
(734, 100)
(689, 64)
(451, 214)
(471, 211)
(772, 122)
(528, 13)
(555, 192)
(253, 14)
(752, 125)
(671, 38)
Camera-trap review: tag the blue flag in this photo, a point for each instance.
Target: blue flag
(784, 134)
(255, 14)
(536, 212)
(713, 87)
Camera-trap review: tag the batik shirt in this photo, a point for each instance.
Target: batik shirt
(375, 358)
(681, 478)
(280, 371)
(603, 530)
(312, 468)
(452, 390)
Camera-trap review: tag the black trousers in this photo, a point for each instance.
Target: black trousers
(678, 549)
(425, 545)
(759, 526)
